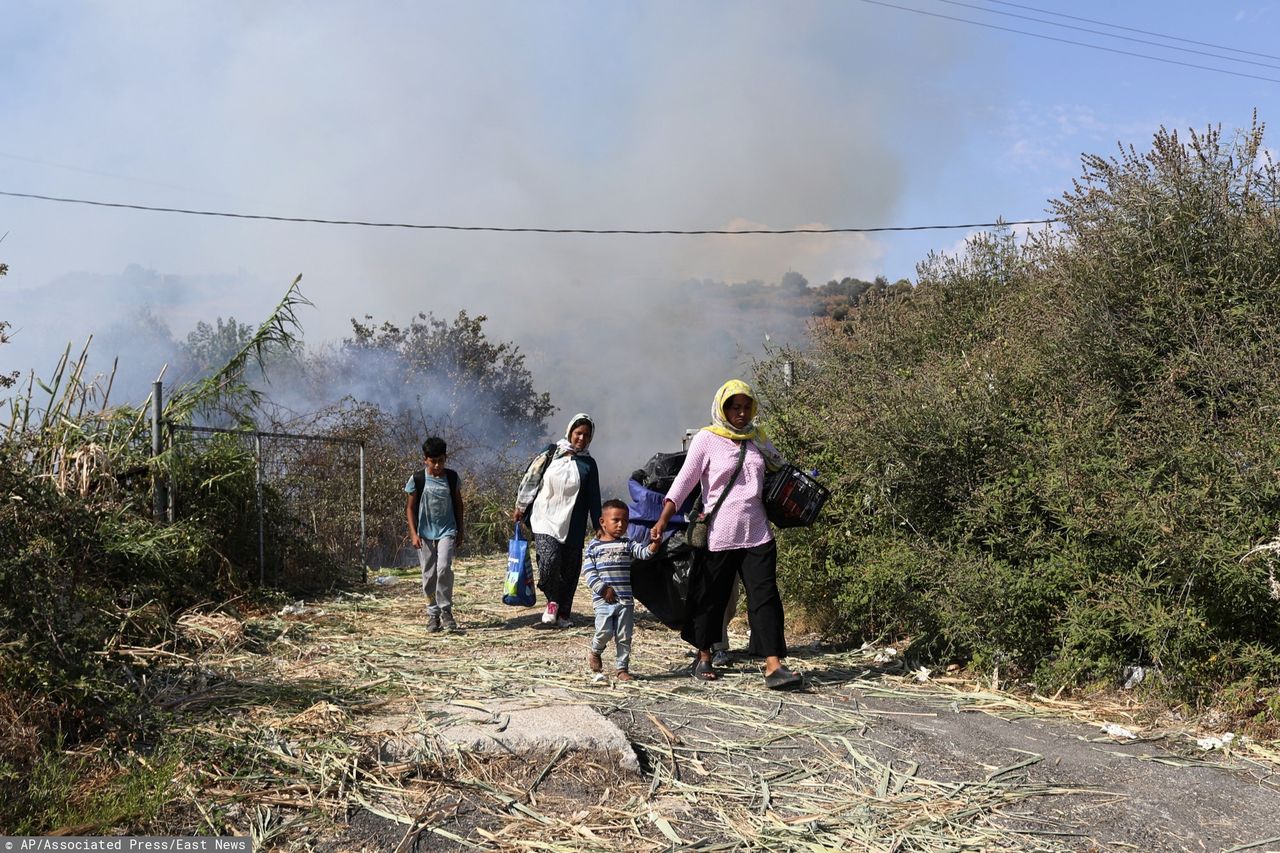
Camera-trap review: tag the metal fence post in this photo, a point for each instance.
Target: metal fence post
(364, 563)
(257, 482)
(159, 496)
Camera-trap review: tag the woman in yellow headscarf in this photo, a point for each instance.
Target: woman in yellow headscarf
(729, 458)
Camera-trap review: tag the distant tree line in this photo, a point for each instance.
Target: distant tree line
(793, 294)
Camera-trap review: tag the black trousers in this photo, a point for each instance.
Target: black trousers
(559, 567)
(711, 583)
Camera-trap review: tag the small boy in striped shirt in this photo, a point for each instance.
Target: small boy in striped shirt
(606, 565)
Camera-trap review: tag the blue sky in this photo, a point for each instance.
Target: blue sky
(562, 114)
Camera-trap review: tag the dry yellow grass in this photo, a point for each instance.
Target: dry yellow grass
(292, 739)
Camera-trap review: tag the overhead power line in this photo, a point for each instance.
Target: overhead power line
(1072, 42)
(1105, 34)
(1135, 30)
(523, 230)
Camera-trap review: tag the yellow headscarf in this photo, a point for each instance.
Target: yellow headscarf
(754, 432)
(720, 426)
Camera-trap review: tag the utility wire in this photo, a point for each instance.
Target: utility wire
(1072, 42)
(520, 230)
(1134, 29)
(1105, 34)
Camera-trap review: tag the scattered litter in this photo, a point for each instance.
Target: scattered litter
(1118, 731)
(1133, 676)
(886, 655)
(922, 674)
(386, 580)
(599, 678)
(1215, 741)
(300, 608)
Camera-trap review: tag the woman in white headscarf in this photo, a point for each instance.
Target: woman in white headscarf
(559, 493)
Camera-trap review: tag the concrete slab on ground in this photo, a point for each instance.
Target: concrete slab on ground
(540, 723)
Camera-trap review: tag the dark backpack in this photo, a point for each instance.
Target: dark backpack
(420, 483)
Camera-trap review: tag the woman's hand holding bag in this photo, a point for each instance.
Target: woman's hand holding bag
(517, 590)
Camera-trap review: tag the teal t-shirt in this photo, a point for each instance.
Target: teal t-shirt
(435, 509)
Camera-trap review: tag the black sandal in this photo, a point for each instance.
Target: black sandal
(703, 670)
(782, 678)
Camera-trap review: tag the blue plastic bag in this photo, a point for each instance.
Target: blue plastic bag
(518, 589)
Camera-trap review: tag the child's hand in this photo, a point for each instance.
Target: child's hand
(610, 595)
(654, 546)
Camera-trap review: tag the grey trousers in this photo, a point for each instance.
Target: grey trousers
(615, 622)
(435, 557)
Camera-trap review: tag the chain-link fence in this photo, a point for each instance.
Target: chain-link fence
(304, 512)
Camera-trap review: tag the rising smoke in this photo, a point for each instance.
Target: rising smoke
(618, 115)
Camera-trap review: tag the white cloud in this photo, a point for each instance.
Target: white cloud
(1052, 138)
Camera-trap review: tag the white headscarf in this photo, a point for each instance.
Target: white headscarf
(563, 445)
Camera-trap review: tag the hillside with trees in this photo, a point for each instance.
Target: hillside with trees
(793, 294)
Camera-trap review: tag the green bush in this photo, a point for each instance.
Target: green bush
(1052, 455)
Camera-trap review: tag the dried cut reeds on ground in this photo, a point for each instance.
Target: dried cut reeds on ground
(293, 735)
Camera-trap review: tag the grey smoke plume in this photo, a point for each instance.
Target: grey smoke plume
(601, 115)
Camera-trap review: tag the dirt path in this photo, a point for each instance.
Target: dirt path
(334, 729)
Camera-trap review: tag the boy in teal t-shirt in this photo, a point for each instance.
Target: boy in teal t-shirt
(434, 514)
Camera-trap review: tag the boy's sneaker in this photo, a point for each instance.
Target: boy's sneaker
(549, 616)
(623, 675)
(433, 622)
(593, 661)
(448, 622)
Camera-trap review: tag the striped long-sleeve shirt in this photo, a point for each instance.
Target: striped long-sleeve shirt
(609, 564)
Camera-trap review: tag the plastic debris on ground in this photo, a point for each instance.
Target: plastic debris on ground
(1113, 730)
(1133, 676)
(1215, 741)
(300, 608)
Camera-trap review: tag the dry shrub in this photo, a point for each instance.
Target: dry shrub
(22, 720)
(210, 630)
(84, 469)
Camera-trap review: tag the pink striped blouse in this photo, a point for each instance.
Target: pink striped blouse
(740, 522)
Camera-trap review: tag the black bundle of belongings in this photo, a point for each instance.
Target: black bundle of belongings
(792, 498)
(661, 584)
